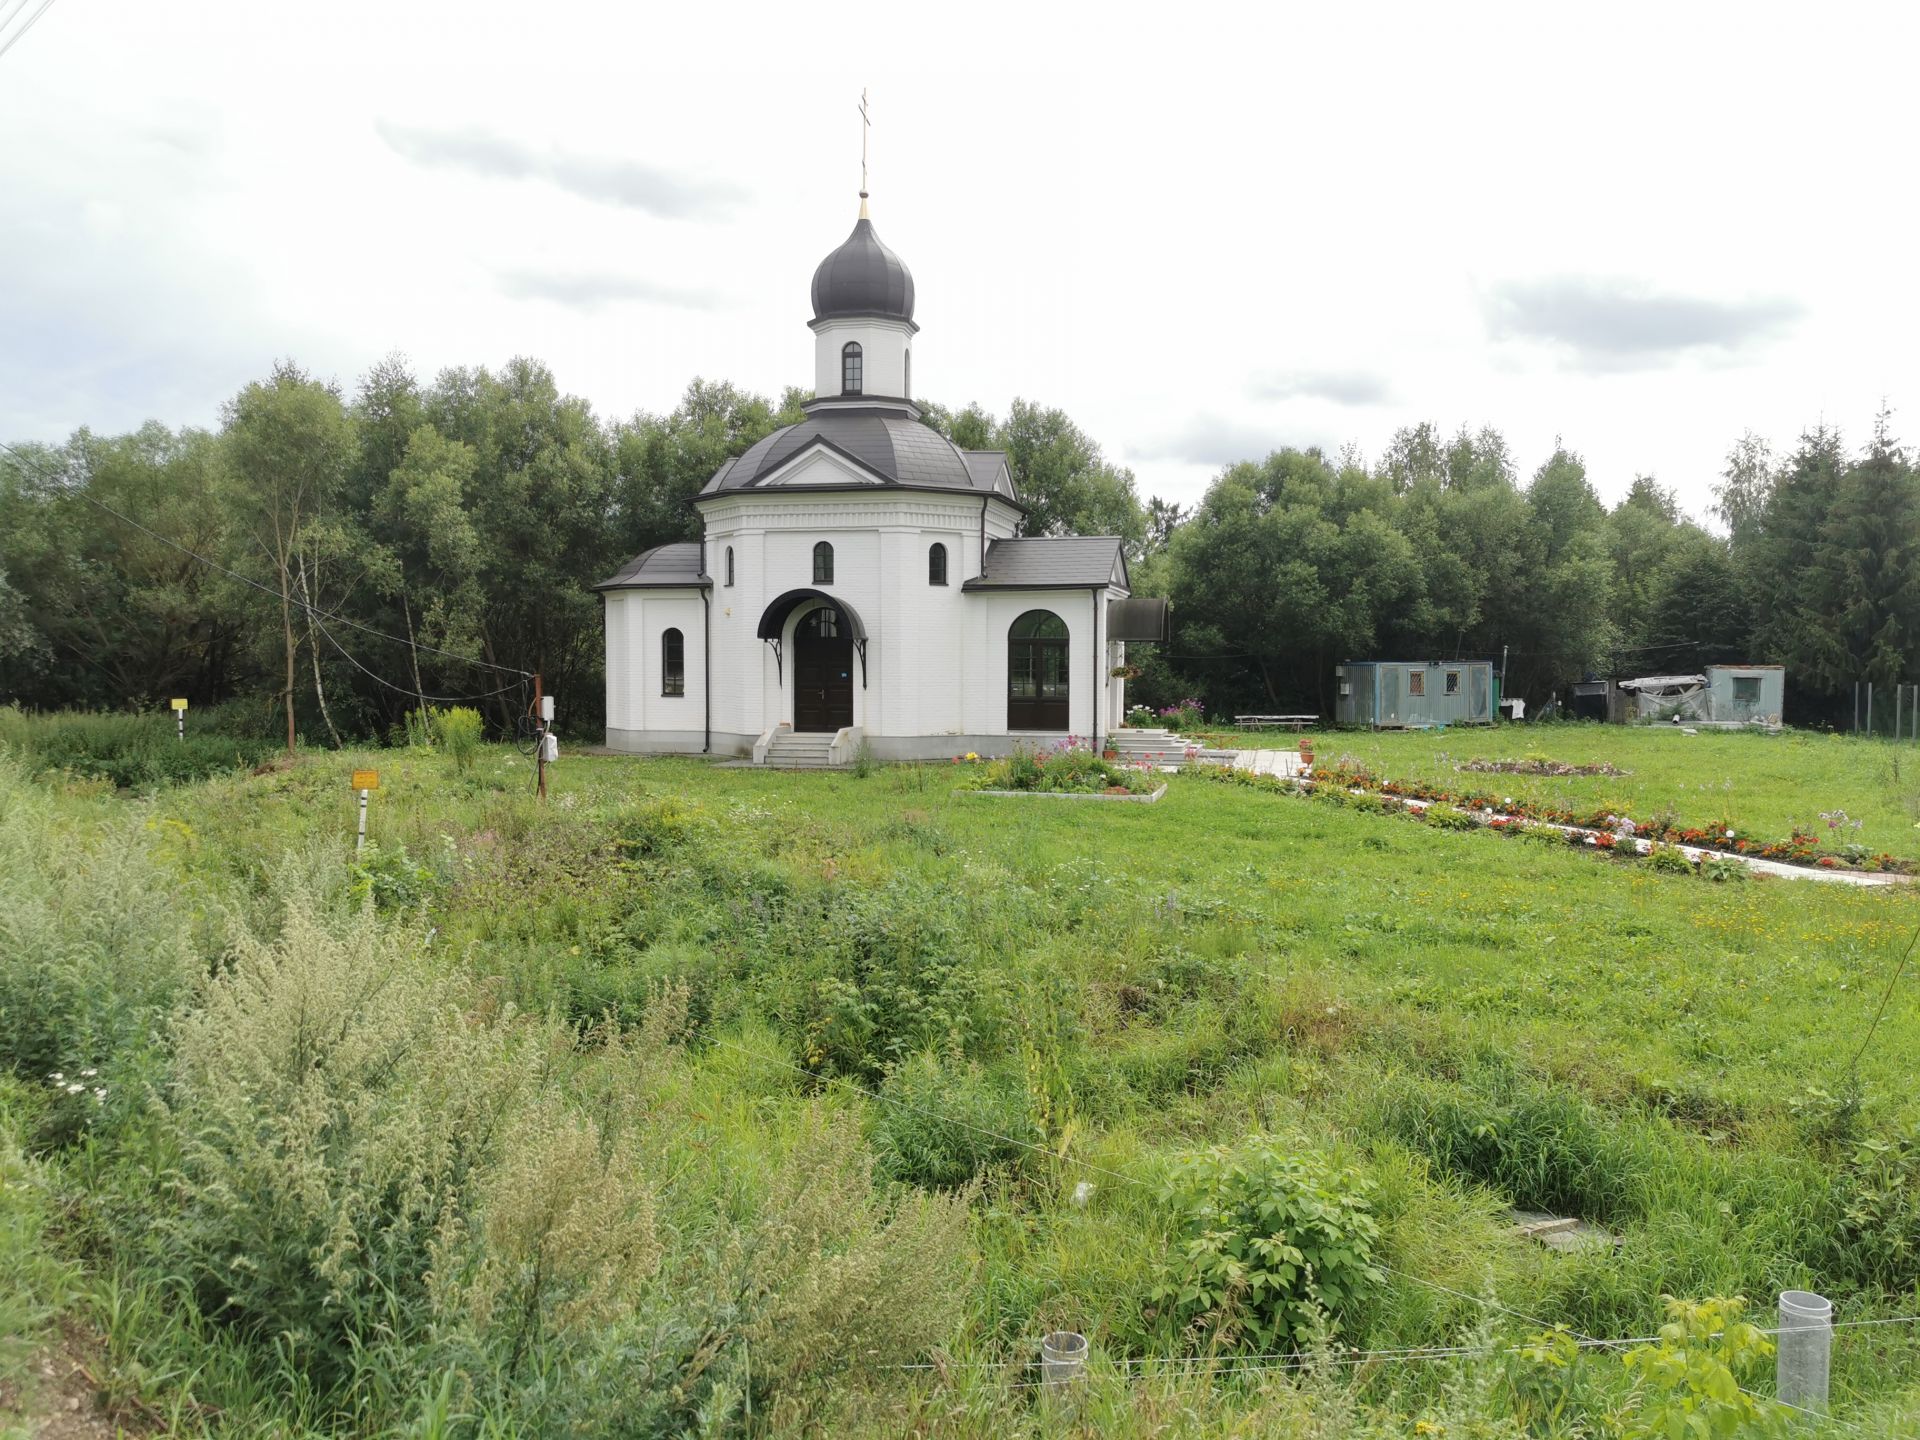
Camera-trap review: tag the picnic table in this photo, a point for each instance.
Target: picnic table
(1275, 722)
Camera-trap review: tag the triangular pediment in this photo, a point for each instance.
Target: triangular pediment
(820, 462)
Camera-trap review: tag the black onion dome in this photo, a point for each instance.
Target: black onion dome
(863, 277)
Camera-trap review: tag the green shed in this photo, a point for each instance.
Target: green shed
(1413, 694)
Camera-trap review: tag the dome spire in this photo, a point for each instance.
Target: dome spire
(866, 124)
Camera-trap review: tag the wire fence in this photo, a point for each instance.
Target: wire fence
(1887, 712)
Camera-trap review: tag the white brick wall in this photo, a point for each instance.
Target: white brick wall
(937, 658)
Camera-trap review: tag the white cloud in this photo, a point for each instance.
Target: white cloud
(1195, 266)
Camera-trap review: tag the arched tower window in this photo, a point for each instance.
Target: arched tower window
(1037, 672)
(850, 368)
(937, 564)
(673, 663)
(823, 563)
(729, 565)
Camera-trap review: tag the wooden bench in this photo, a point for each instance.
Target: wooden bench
(1275, 722)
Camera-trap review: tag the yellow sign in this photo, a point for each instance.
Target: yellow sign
(180, 704)
(366, 779)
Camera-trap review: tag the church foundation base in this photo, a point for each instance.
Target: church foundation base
(676, 742)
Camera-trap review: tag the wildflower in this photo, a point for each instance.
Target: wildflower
(75, 1089)
(971, 756)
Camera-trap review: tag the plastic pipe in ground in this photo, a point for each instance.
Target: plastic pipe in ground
(1804, 1353)
(1063, 1358)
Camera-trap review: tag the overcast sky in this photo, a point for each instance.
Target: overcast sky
(1203, 233)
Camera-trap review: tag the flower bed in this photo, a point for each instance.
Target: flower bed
(1065, 768)
(1802, 847)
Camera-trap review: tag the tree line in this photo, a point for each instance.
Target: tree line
(327, 562)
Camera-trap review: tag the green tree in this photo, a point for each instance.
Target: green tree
(287, 443)
(1065, 482)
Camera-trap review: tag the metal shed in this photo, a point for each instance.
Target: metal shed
(1747, 694)
(1413, 694)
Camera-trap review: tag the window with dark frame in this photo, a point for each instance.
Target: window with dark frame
(850, 368)
(823, 564)
(673, 663)
(1746, 689)
(1453, 682)
(729, 565)
(1416, 682)
(937, 564)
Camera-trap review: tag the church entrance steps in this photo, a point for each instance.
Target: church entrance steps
(1164, 749)
(801, 750)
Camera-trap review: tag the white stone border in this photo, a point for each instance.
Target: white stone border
(1146, 799)
(1758, 864)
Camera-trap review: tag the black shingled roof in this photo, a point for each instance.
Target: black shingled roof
(1052, 562)
(663, 567)
(900, 450)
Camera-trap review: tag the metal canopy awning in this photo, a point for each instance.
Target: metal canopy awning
(1140, 617)
(773, 622)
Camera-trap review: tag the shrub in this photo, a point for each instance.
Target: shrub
(95, 942)
(132, 751)
(1690, 1381)
(1140, 717)
(940, 1126)
(1450, 817)
(1668, 860)
(457, 731)
(330, 1100)
(1275, 1243)
(1879, 1240)
(1184, 715)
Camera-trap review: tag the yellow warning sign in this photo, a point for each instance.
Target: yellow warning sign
(180, 703)
(366, 779)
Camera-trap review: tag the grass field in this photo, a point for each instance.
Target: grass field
(1758, 784)
(705, 1099)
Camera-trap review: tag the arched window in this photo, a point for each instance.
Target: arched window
(823, 564)
(937, 564)
(673, 663)
(850, 366)
(729, 564)
(1037, 672)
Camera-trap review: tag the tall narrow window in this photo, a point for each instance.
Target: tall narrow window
(850, 377)
(673, 664)
(907, 384)
(729, 564)
(937, 564)
(823, 564)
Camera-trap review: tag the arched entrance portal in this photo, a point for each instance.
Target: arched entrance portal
(1037, 672)
(822, 671)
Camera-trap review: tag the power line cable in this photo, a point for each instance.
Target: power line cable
(21, 32)
(408, 690)
(7, 19)
(68, 488)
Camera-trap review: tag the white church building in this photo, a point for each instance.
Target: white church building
(862, 579)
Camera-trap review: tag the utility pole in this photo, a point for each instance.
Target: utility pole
(1503, 674)
(539, 734)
